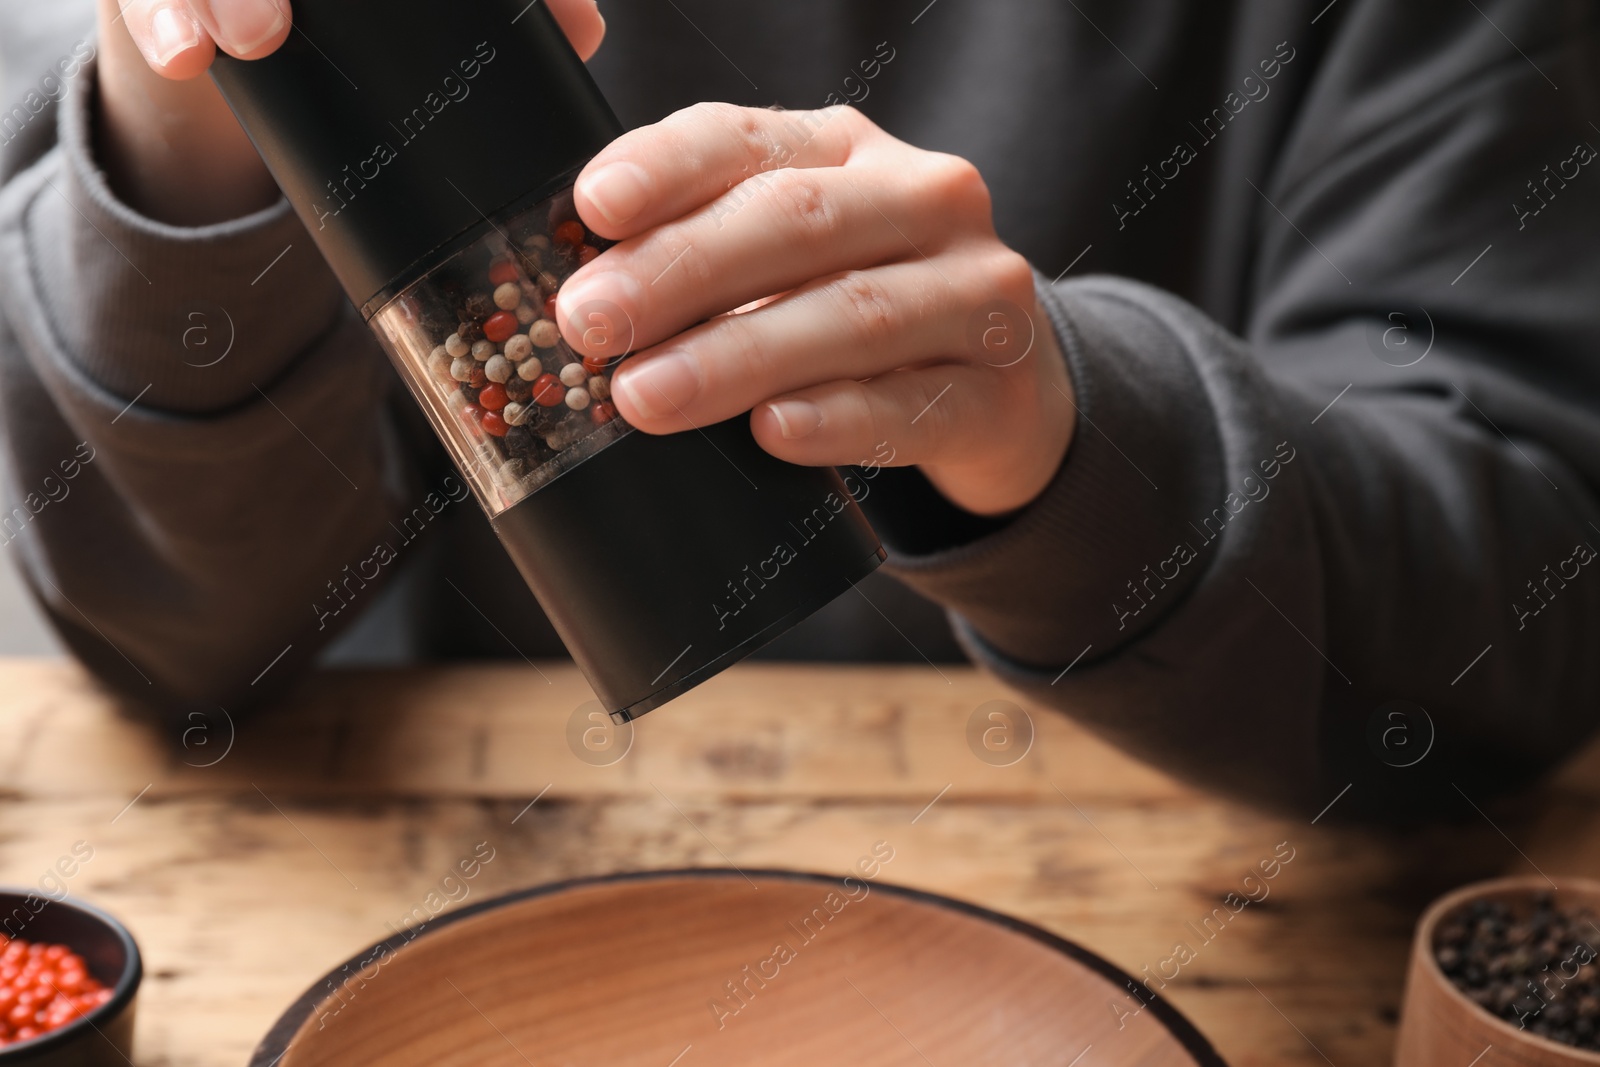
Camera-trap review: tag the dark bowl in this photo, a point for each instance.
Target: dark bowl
(716, 968)
(103, 1037)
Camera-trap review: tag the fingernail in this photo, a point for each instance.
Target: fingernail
(618, 191)
(661, 385)
(796, 418)
(172, 34)
(245, 25)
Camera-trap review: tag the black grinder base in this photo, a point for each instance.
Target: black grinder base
(738, 546)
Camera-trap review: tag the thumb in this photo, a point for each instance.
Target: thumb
(246, 29)
(165, 33)
(178, 38)
(582, 22)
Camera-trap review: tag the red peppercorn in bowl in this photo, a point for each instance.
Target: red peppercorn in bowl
(68, 978)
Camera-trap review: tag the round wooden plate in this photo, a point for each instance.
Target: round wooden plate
(712, 968)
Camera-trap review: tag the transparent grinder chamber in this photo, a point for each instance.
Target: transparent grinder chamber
(477, 341)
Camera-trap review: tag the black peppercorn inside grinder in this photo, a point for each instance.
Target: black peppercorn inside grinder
(430, 148)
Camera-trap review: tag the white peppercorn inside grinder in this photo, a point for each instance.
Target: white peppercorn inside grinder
(430, 148)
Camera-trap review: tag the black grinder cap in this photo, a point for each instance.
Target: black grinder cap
(395, 126)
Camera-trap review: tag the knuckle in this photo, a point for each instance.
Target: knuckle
(931, 410)
(747, 128)
(957, 181)
(739, 352)
(859, 131)
(863, 407)
(676, 261)
(854, 119)
(717, 113)
(869, 313)
(802, 201)
(682, 125)
(686, 267)
(1012, 276)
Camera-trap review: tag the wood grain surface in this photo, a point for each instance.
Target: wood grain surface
(329, 821)
(716, 970)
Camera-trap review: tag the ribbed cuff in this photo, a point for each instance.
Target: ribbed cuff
(1093, 561)
(187, 319)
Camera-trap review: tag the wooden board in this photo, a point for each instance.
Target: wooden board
(331, 820)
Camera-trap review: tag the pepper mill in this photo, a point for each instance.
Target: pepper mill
(430, 149)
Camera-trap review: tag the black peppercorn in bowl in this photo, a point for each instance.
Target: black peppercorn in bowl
(1508, 964)
(101, 1036)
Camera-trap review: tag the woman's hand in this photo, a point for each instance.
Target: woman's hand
(885, 309)
(170, 145)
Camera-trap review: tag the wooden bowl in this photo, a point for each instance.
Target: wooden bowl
(702, 968)
(1440, 1027)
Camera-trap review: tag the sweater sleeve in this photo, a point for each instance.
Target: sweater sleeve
(195, 439)
(1274, 559)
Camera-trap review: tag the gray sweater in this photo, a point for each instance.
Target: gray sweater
(1325, 274)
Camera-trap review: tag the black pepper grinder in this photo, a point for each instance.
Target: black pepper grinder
(430, 148)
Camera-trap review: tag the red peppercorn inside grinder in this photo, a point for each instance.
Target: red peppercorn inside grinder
(430, 148)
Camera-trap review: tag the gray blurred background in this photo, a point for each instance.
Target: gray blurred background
(23, 631)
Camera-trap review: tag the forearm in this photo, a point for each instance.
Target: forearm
(171, 150)
(233, 406)
(1282, 579)
(1338, 526)
(183, 555)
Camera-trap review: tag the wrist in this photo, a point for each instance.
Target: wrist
(171, 150)
(1031, 442)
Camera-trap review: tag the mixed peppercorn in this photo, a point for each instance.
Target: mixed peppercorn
(43, 987)
(498, 356)
(1533, 966)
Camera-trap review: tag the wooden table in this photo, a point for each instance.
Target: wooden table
(331, 819)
